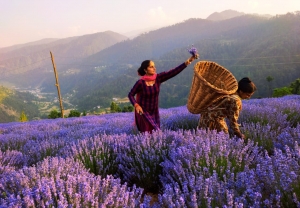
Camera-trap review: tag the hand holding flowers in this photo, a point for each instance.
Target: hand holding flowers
(193, 51)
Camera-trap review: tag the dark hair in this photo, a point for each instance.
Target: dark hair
(246, 85)
(144, 65)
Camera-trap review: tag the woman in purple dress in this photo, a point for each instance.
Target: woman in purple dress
(145, 92)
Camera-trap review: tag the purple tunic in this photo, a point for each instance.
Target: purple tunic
(147, 98)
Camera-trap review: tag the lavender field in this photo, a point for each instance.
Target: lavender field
(102, 161)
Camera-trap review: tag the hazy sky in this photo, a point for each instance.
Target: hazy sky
(24, 21)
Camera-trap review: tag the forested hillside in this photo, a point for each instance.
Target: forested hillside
(248, 46)
(32, 65)
(159, 42)
(12, 103)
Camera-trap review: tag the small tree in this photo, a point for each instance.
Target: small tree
(125, 109)
(295, 87)
(74, 113)
(54, 114)
(280, 92)
(128, 108)
(23, 117)
(115, 108)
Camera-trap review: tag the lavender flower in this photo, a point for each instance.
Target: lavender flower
(67, 183)
(193, 51)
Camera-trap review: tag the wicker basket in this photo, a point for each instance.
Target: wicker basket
(211, 82)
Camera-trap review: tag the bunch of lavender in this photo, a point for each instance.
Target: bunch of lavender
(277, 112)
(11, 160)
(287, 105)
(205, 192)
(273, 182)
(289, 137)
(141, 155)
(257, 112)
(246, 189)
(268, 139)
(214, 172)
(261, 135)
(193, 51)
(12, 141)
(37, 150)
(292, 110)
(267, 122)
(39, 139)
(57, 182)
(209, 151)
(15, 135)
(89, 126)
(178, 118)
(98, 154)
(208, 155)
(278, 177)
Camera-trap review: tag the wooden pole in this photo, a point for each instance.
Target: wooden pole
(57, 85)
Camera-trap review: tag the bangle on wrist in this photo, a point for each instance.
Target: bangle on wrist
(187, 63)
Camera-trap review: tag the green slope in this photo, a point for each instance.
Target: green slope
(12, 103)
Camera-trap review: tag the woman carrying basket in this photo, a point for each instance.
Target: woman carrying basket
(144, 94)
(213, 118)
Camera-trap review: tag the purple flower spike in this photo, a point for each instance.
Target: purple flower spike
(193, 51)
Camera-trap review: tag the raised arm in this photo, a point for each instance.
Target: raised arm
(164, 76)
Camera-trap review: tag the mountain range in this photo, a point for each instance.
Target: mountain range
(93, 69)
(228, 14)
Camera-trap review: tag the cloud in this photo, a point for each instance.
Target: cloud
(157, 13)
(59, 33)
(159, 16)
(48, 34)
(253, 4)
(74, 29)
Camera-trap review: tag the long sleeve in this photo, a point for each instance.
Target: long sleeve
(233, 116)
(164, 76)
(135, 89)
